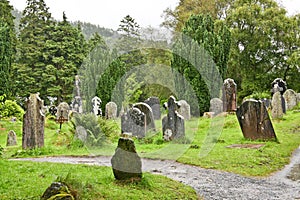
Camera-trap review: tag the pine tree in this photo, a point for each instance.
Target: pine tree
(35, 27)
(7, 48)
(64, 53)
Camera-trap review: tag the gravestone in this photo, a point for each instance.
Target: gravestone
(229, 95)
(126, 163)
(149, 118)
(290, 97)
(277, 106)
(254, 121)
(52, 110)
(81, 134)
(33, 123)
(58, 190)
(184, 109)
(154, 103)
(111, 110)
(11, 139)
(77, 102)
(278, 85)
(216, 106)
(133, 121)
(96, 104)
(173, 123)
(63, 110)
(298, 98)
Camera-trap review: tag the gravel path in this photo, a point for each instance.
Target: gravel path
(211, 184)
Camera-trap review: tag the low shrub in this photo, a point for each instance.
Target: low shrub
(10, 108)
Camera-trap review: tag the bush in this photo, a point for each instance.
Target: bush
(11, 109)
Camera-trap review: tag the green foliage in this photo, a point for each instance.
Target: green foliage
(264, 37)
(110, 128)
(207, 44)
(7, 47)
(10, 108)
(1, 150)
(33, 152)
(259, 95)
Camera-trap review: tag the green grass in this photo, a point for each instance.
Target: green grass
(29, 180)
(270, 158)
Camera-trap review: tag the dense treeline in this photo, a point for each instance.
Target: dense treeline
(252, 42)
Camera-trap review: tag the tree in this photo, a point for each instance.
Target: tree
(175, 19)
(64, 53)
(213, 39)
(7, 48)
(263, 38)
(36, 26)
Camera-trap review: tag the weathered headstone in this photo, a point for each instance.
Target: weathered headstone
(77, 102)
(58, 190)
(126, 163)
(290, 97)
(277, 106)
(11, 139)
(133, 121)
(33, 123)
(216, 106)
(184, 109)
(278, 85)
(154, 103)
(81, 134)
(63, 110)
(254, 121)
(229, 95)
(173, 123)
(96, 104)
(111, 110)
(149, 119)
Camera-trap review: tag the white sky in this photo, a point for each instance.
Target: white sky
(108, 13)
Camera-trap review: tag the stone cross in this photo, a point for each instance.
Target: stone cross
(229, 95)
(33, 123)
(254, 121)
(77, 102)
(96, 103)
(173, 123)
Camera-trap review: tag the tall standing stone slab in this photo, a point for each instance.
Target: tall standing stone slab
(229, 91)
(111, 110)
(254, 121)
(77, 101)
(154, 103)
(290, 97)
(126, 163)
(149, 118)
(216, 106)
(184, 109)
(277, 106)
(11, 139)
(173, 123)
(33, 123)
(133, 121)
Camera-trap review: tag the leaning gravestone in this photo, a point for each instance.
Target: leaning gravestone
(126, 163)
(149, 118)
(216, 106)
(229, 95)
(173, 123)
(290, 97)
(254, 121)
(277, 106)
(11, 139)
(33, 123)
(133, 121)
(184, 109)
(111, 110)
(154, 103)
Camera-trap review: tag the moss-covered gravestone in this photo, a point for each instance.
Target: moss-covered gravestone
(33, 123)
(126, 163)
(58, 191)
(11, 139)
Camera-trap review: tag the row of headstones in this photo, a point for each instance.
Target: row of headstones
(138, 120)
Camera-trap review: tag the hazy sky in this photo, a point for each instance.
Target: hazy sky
(108, 13)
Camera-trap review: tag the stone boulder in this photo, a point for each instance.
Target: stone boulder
(126, 163)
